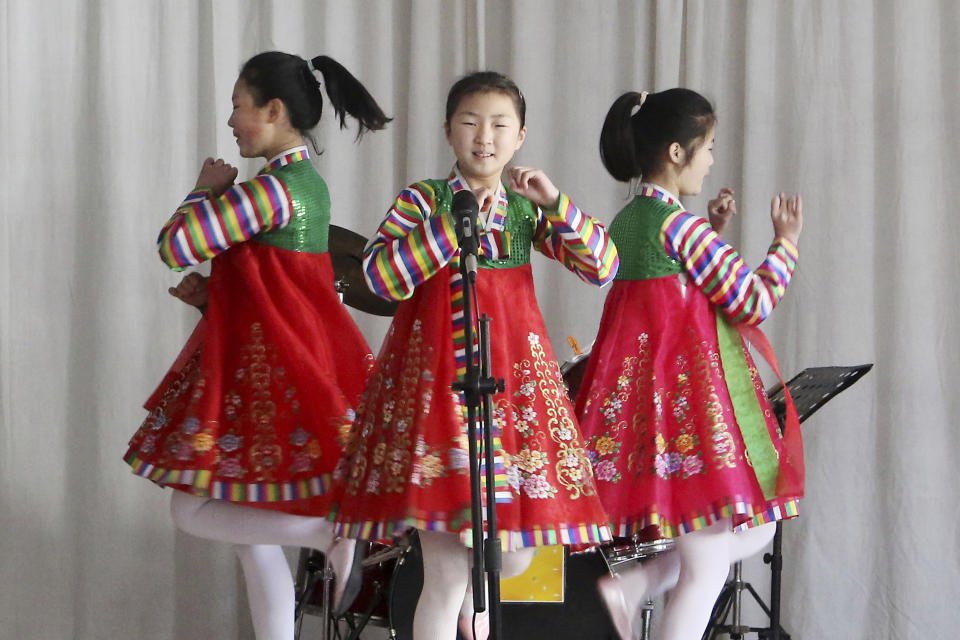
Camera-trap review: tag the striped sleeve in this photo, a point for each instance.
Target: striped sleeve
(577, 241)
(718, 270)
(410, 246)
(204, 226)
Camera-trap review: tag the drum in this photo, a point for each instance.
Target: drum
(572, 371)
(392, 581)
(621, 551)
(392, 578)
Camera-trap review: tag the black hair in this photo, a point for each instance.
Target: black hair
(632, 142)
(485, 82)
(289, 78)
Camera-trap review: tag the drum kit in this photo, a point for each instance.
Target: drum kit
(390, 578)
(387, 579)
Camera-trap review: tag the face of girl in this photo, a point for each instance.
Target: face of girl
(249, 123)
(485, 132)
(690, 178)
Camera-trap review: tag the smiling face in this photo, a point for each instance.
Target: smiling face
(249, 123)
(690, 177)
(484, 132)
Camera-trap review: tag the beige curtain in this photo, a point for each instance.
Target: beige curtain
(107, 109)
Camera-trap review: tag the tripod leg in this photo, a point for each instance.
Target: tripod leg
(718, 617)
(757, 598)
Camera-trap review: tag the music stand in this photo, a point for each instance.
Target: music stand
(810, 389)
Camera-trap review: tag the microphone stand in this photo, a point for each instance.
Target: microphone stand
(478, 388)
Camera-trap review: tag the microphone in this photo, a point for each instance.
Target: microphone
(465, 210)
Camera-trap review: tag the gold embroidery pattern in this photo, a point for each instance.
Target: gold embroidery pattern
(401, 400)
(680, 455)
(723, 446)
(645, 386)
(265, 453)
(259, 378)
(151, 434)
(603, 449)
(572, 467)
(243, 443)
(527, 469)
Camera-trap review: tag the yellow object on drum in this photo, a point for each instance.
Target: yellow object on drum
(541, 582)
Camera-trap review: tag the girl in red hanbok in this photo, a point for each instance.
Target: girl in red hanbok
(683, 442)
(247, 425)
(406, 464)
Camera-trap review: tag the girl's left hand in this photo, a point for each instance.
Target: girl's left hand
(534, 184)
(721, 209)
(192, 290)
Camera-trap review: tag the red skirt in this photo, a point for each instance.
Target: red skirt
(257, 405)
(655, 407)
(407, 464)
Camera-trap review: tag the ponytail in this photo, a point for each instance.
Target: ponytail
(290, 79)
(347, 95)
(637, 130)
(617, 147)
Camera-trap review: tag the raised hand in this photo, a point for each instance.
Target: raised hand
(192, 290)
(721, 209)
(485, 198)
(216, 175)
(787, 216)
(534, 184)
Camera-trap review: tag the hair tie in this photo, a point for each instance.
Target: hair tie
(636, 107)
(310, 65)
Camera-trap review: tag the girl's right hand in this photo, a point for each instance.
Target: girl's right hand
(216, 175)
(485, 198)
(721, 209)
(787, 216)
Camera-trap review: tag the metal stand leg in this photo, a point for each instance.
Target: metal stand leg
(729, 603)
(312, 569)
(646, 617)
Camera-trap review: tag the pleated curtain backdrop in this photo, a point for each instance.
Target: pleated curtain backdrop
(107, 109)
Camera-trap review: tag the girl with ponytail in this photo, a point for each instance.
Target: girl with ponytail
(682, 439)
(247, 424)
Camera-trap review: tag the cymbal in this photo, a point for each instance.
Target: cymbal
(346, 254)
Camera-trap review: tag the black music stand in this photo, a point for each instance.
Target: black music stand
(810, 389)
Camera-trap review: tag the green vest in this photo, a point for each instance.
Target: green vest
(309, 224)
(636, 233)
(521, 222)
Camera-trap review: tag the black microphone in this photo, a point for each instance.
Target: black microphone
(465, 210)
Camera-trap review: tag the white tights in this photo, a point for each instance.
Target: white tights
(270, 590)
(257, 534)
(447, 594)
(698, 565)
